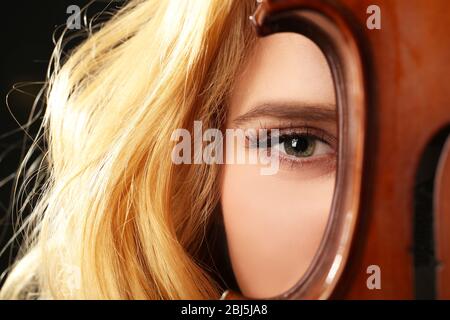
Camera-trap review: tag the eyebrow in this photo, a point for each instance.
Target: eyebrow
(289, 111)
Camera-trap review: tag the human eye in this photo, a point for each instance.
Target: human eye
(301, 148)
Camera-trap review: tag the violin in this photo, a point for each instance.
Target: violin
(387, 236)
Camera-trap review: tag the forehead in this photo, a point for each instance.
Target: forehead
(285, 67)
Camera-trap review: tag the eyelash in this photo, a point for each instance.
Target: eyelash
(290, 131)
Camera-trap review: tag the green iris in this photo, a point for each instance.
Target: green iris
(299, 146)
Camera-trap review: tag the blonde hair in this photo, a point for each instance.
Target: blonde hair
(116, 218)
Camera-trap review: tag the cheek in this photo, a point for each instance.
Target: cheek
(274, 226)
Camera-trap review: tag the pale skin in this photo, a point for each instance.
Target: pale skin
(274, 223)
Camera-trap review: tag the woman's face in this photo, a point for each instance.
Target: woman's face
(274, 223)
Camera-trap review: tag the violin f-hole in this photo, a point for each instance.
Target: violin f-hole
(427, 220)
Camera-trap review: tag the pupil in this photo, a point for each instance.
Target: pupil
(299, 144)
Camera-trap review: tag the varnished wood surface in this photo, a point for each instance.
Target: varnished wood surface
(408, 86)
(410, 103)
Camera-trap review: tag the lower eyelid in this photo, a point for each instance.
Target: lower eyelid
(314, 166)
(307, 168)
(321, 143)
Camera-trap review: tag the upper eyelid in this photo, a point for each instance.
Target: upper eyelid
(290, 124)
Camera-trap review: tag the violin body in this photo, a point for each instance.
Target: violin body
(408, 106)
(403, 208)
